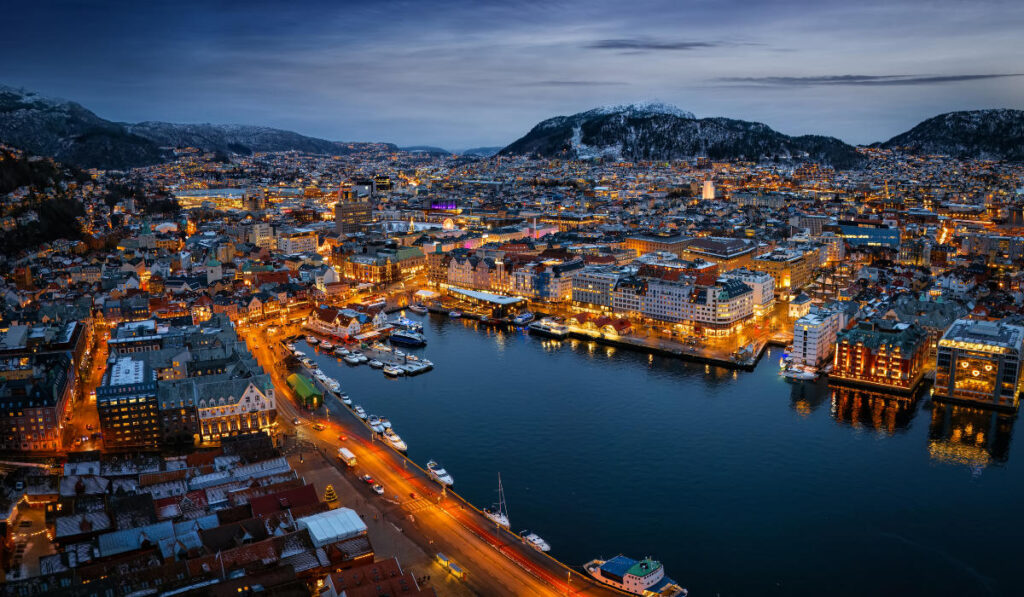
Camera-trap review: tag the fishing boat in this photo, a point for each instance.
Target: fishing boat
(418, 309)
(523, 318)
(395, 440)
(534, 540)
(498, 513)
(438, 473)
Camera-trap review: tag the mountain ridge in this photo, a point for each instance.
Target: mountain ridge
(982, 134)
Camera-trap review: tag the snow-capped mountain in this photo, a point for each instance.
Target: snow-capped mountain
(662, 132)
(70, 133)
(981, 134)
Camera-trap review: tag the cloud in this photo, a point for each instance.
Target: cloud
(555, 83)
(650, 44)
(861, 80)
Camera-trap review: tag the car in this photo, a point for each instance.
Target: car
(89, 426)
(368, 479)
(343, 438)
(319, 427)
(378, 489)
(85, 438)
(295, 421)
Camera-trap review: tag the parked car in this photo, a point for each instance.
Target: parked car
(368, 479)
(378, 489)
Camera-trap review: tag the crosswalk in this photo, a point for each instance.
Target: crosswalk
(416, 505)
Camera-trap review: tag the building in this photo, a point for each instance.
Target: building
(708, 191)
(296, 240)
(128, 405)
(230, 407)
(791, 268)
(35, 396)
(814, 337)
(653, 243)
(549, 280)
(352, 213)
(594, 286)
(728, 253)
(868, 235)
(980, 362)
(881, 353)
(761, 283)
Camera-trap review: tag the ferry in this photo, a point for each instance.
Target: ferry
(408, 338)
(418, 309)
(439, 474)
(375, 364)
(312, 340)
(395, 440)
(393, 371)
(644, 577)
(326, 345)
(455, 314)
(535, 541)
(523, 318)
(359, 412)
(549, 328)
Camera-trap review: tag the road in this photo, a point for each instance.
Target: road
(496, 561)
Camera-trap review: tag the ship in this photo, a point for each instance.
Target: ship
(408, 338)
(438, 474)
(549, 328)
(643, 577)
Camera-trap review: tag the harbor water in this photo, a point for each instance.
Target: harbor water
(740, 482)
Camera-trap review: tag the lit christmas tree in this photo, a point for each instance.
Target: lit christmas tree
(329, 495)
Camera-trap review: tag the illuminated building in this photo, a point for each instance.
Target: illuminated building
(728, 253)
(296, 240)
(127, 404)
(863, 235)
(791, 268)
(35, 394)
(708, 191)
(761, 283)
(881, 353)
(352, 212)
(814, 337)
(654, 243)
(980, 362)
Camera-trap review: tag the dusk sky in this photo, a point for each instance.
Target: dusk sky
(466, 73)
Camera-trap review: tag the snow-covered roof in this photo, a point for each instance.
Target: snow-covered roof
(332, 526)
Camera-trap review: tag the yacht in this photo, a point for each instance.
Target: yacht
(549, 328)
(455, 313)
(375, 364)
(333, 385)
(312, 341)
(407, 324)
(385, 423)
(359, 412)
(345, 399)
(326, 345)
(407, 338)
(352, 359)
(393, 371)
(498, 513)
(362, 358)
(535, 541)
(298, 353)
(395, 440)
(341, 351)
(290, 346)
(418, 309)
(523, 318)
(644, 577)
(439, 474)
(794, 373)
(374, 422)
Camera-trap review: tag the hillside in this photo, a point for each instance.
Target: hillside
(979, 134)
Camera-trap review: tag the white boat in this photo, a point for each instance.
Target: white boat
(498, 513)
(646, 577)
(419, 309)
(399, 353)
(312, 340)
(341, 351)
(298, 353)
(359, 412)
(427, 364)
(523, 318)
(455, 313)
(326, 345)
(346, 400)
(385, 423)
(549, 328)
(534, 540)
(352, 359)
(438, 474)
(799, 374)
(395, 440)
(333, 385)
(375, 364)
(374, 422)
(290, 346)
(308, 362)
(392, 371)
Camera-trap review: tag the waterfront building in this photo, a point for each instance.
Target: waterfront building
(127, 404)
(881, 353)
(980, 362)
(330, 321)
(593, 286)
(814, 337)
(728, 253)
(719, 310)
(549, 280)
(791, 268)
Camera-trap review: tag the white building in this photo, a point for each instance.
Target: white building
(296, 240)
(814, 337)
(593, 286)
(708, 192)
(761, 283)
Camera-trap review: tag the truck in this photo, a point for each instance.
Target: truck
(346, 456)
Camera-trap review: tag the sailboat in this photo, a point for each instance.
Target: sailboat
(498, 512)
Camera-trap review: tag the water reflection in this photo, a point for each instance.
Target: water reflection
(877, 410)
(969, 435)
(805, 398)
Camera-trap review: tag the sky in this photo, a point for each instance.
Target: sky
(466, 73)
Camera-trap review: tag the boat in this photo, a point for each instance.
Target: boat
(375, 364)
(428, 364)
(359, 412)
(799, 374)
(418, 309)
(393, 371)
(312, 340)
(455, 313)
(333, 385)
(326, 345)
(413, 368)
(534, 540)
(523, 318)
(548, 328)
(362, 358)
(345, 400)
(351, 359)
(290, 346)
(385, 423)
(439, 474)
(498, 513)
(308, 362)
(374, 422)
(407, 324)
(644, 577)
(341, 351)
(395, 440)
(407, 338)
(298, 353)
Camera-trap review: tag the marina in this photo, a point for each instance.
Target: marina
(757, 449)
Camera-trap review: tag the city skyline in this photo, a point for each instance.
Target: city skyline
(460, 75)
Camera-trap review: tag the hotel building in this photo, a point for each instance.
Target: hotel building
(980, 362)
(881, 353)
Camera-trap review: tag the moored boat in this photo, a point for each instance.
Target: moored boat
(498, 513)
(312, 340)
(360, 412)
(393, 371)
(407, 338)
(419, 309)
(395, 440)
(644, 577)
(455, 313)
(375, 364)
(549, 328)
(438, 473)
(326, 345)
(523, 318)
(535, 541)
(352, 359)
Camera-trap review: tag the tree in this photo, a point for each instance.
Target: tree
(330, 495)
